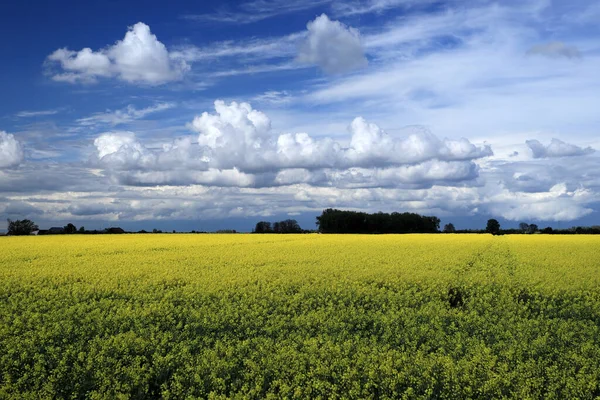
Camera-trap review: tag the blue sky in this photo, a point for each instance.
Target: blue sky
(204, 116)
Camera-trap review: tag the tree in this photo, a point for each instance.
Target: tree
(277, 227)
(449, 228)
(82, 230)
(524, 227)
(289, 226)
(21, 227)
(70, 228)
(263, 227)
(493, 226)
(533, 228)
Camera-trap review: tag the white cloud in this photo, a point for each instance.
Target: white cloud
(239, 141)
(333, 46)
(139, 58)
(555, 50)
(274, 97)
(556, 148)
(557, 204)
(122, 150)
(11, 152)
(118, 117)
(246, 50)
(28, 114)
(348, 8)
(257, 10)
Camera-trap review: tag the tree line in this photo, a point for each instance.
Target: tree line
(285, 226)
(338, 221)
(335, 221)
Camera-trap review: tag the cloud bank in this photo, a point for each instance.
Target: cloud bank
(236, 143)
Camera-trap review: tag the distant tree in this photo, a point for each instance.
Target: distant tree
(289, 226)
(533, 228)
(156, 231)
(524, 227)
(82, 230)
(493, 226)
(547, 230)
(449, 228)
(263, 227)
(70, 228)
(277, 227)
(21, 227)
(174, 231)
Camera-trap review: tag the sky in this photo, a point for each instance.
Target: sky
(215, 115)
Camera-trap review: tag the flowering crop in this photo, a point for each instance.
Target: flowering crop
(296, 316)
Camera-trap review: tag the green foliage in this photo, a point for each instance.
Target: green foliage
(300, 316)
(21, 227)
(493, 226)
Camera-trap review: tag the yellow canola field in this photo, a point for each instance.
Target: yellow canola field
(300, 316)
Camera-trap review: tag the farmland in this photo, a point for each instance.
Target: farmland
(297, 316)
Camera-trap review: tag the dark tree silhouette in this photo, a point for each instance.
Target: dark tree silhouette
(338, 221)
(493, 226)
(21, 227)
(263, 227)
(70, 228)
(449, 228)
(82, 230)
(533, 228)
(286, 226)
(524, 227)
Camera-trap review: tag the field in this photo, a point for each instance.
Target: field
(300, 316)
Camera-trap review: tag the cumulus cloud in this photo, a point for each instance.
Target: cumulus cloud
(122, 150)
(239, 141)
(556, 148)
(139, 58)
(332, 46)
(555, 50)
(11, 151)
(239, 136)
(557, 204)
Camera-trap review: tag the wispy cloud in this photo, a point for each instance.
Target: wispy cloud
(257, 10)
(555, 50)
(247, 50)
(125, 115)
(350, 8)
(31, 114)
